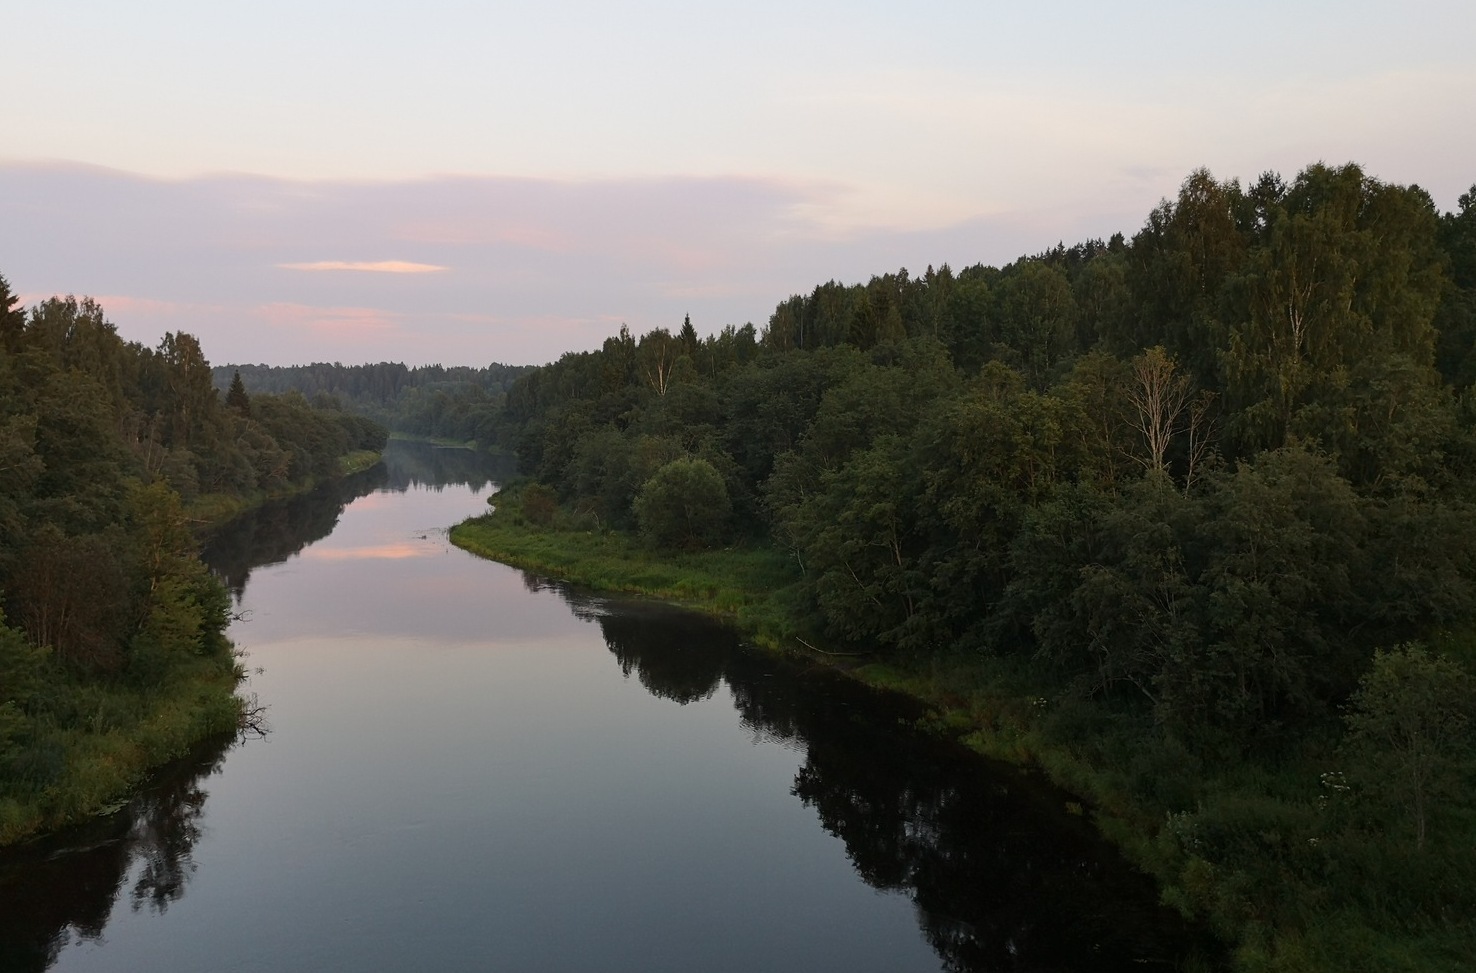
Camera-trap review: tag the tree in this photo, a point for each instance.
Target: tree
(1159, 396)
(12, 318)
(236, 397)
(688, 336)
(685, 503)
(1409, 726)
(657, 353)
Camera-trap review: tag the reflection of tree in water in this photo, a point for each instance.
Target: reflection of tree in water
(1001, 876)
(437, 467)
(672, 660)
(277, 530)
(63, 888)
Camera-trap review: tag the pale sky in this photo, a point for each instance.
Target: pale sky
(476, 182)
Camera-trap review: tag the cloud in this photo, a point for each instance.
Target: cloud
(369, 266)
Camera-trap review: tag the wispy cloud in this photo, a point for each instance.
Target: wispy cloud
(369, 266)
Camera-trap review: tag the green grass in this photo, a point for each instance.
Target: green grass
(750, 585)
(406, 437)
(358, 461)
(1297, 875)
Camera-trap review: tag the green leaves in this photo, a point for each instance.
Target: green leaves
(1410, 731)
(684, 504)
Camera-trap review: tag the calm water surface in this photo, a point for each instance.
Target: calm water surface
(470, 769)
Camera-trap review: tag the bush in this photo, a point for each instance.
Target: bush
(684, 504)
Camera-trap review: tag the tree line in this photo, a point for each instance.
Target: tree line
(447, 402)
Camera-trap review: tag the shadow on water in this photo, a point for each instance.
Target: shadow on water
(1001, 874)
(63, 888)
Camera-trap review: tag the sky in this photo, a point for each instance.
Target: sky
(469, 182)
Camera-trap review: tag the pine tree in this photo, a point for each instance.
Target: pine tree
(688, 336)
(236, 397)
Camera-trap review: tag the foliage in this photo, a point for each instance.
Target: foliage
(1410, 730)
(684, 504)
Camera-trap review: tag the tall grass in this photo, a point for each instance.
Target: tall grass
(87, 754)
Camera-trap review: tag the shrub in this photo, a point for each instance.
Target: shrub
(684, 504)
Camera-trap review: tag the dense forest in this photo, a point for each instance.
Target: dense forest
(459, 402)
(1203, 496)
(113, 456)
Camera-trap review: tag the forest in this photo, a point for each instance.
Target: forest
(1185, 518)
(435, 401)
(114, 457)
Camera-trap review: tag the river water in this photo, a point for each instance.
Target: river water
(470, 768)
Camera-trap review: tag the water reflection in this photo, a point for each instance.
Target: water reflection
(63, 889)
(277, 531)
(1000, 874)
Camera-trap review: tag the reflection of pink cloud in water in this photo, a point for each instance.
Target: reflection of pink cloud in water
(374, 501)
(379, 552)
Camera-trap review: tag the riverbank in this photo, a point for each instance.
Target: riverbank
(441, 441)
(749, 586)
(1273, 854)
(94, 741)
(213, 509)
(128, 732)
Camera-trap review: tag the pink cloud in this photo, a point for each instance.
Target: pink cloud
(368, 266)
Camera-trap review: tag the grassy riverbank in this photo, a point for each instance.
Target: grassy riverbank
(1275, 855)
(751, 586)
(103, 739)
(443, 442)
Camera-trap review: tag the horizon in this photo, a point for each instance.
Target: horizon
(437, 184)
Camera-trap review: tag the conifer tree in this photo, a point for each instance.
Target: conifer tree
(236, 397)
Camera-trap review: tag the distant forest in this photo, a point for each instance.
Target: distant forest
(1208, 494)
(457, 402)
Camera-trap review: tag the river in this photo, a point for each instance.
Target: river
(467, 767)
